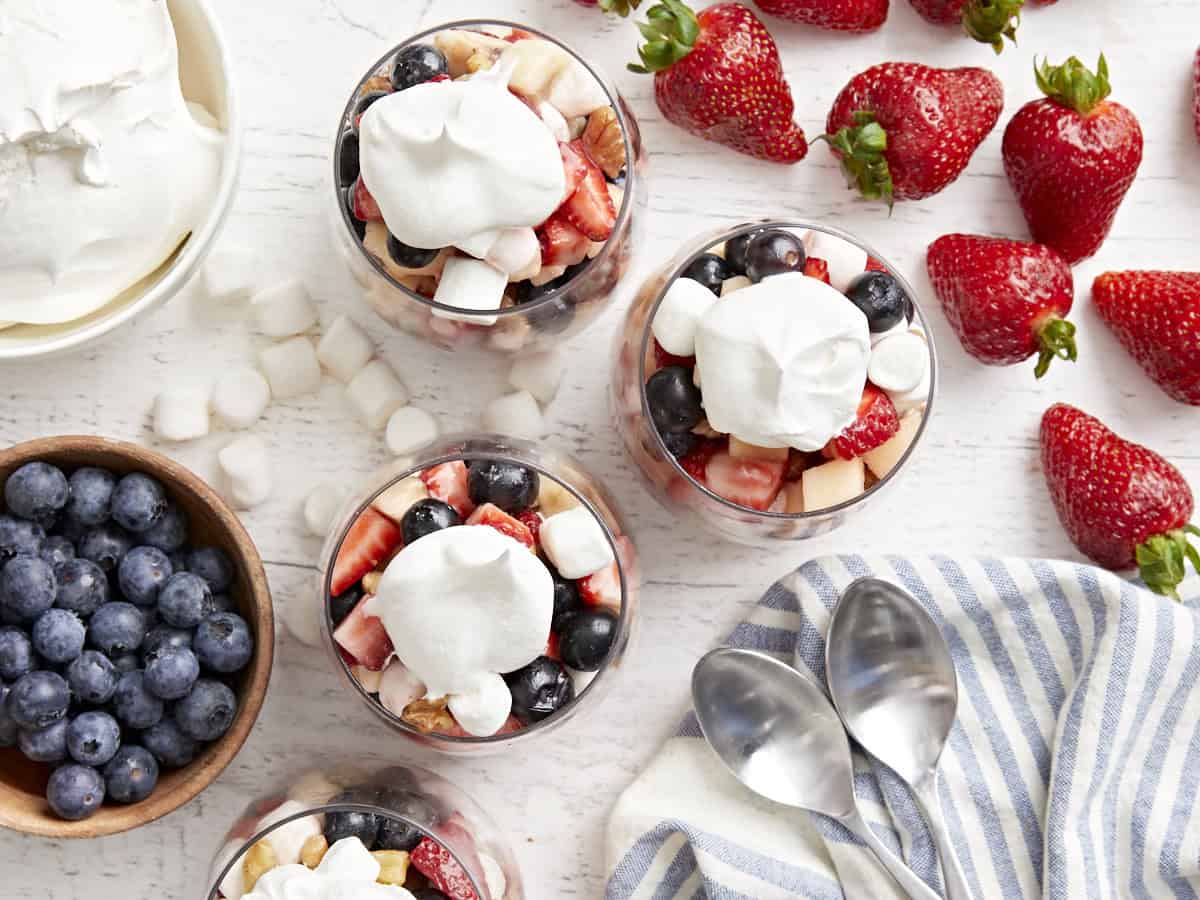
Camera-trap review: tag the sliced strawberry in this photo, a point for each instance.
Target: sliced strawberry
(444, 872)
(590, 208)
(575, 165)
(552, 647)
(365, 207)
(877, 422)
(815, 267)
(696, 462)
(518, 34)
(751, 483)
(448, 482)
(368, 542)
(437, 79)
(874, 265)
(562, 243)
(602, 588)
(663, 359)
(364, 638)
(494, 516)
(532, 520)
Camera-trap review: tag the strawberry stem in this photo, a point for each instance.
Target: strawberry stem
(1163, 558)
(670, 34)
(862, 149)
(991, 21)
(1073, 84)
(620, 7)
(1056, 339)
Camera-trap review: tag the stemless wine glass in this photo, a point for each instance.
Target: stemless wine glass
(565, 483)
(423, 830)
(634, 361)
(538, 314)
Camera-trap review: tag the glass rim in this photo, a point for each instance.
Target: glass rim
(624, 617)
(469, 316)
(647, 333)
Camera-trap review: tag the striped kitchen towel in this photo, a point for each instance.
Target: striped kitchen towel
(1072, 770)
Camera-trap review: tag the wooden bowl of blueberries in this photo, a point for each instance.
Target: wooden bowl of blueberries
(136, 636)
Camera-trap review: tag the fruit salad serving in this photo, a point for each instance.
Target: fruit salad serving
(399, 834)
(477, 596)
(486, 181)
(771, 379)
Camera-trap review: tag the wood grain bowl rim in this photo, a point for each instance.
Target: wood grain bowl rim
(256, 605)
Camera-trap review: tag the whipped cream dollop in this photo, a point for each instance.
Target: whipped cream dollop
(104, 169)
(450, 161)
(346, 872)
(783, 362)
(461, 606)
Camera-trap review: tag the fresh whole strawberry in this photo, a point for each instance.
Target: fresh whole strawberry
(1071, 157)
(1196, 94)
(1006, 300)
(987, 21)
(719, 77)
(1156, 317)
(904, 131)
(838, 15)
(1122, 504)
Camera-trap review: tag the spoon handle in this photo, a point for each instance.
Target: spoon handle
(905, 877)
(952, 873)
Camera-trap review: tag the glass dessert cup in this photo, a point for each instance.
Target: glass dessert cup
(637, 357)
(538, 313)
(611, 593)
(425, 833)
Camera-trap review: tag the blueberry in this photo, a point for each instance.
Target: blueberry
(142, 573)
(126, 662)
(170, 532)
(93, 738)
(399, 834)
(508, 485)
(26, 584)
(774, 252)
(184, 600)
(171, 747)
(171, 673)
(213, 565)
(164, 637)
(223, 603)
(425, 517)
(553, 317)
(736, 249)
(586, 638)
(881, 298)
(138, 502)
(417, 64)
(38, 699)
(343, 604)
(57, 550)
(16, 654)
(540, 689)
(37, 491)
(82, 587)
(91, 495)
(75, 792)
(58, 635)
(19, 537)
(117, 628)
(224, 643)
(92, 677)
(131, 774)
(348, 165)
(44, 745)
(680, 443)
(207, 711)
(566, 600)
(366, 101)
(351, 823)
(674, 399)
(409, 257)
(105, 545)
(133, 703)
(8, 728)
(710, 270)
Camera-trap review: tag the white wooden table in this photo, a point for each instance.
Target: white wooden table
(976, 487)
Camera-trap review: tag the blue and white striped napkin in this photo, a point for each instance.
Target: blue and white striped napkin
(1072, 772)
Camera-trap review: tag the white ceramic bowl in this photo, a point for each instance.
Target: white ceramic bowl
(206, 72)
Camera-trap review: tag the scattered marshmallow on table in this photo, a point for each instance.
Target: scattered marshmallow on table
(538, 373)
(375, 393)
(240, 397)
(409, 429)
(470, 284)
(284, 309)
(344, 349)
(575, 543)
(300, 616)
(846, 261)
(229, 278)
(678, 315)
(291, 368)
(320, 506)
(247, 468)
(517, 414)
(181, 414)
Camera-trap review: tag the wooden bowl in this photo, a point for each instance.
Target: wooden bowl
(210, 521)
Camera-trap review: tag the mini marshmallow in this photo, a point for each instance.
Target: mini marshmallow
(300, 616)
(181, 415)
(291, 368)
(517, 414)
(907, 401)
(478, 244)
(575, 543)
(240, 397)
(515, 250)
(547, 274)
(230, 277)
(320, 506)
(470, 284)
(845, 260)
(375, 393)
(901, 327)
(344, 349)
(409, 429)
(554, 120)
(678, 316)
(576, 91)
(483, 711)
(538, 373)
(286, 840)
(899, 363)
(284, 310)
(247, 468)
(399, 687)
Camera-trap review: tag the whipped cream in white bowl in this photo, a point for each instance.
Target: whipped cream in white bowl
(74, 134)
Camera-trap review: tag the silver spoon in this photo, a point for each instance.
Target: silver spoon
(776, 731)
(893, 682)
